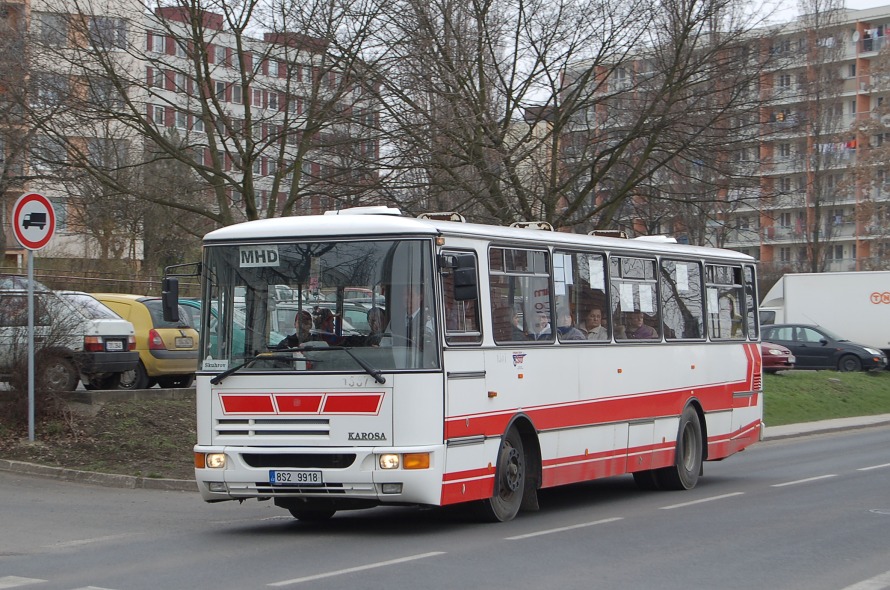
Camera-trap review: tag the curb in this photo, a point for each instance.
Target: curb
(103, 479)
(824, 426)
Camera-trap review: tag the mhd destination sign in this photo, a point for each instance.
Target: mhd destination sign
(256, 256)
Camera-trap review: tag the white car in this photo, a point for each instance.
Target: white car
(77, 338)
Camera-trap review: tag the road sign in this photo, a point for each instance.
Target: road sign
(33, 221)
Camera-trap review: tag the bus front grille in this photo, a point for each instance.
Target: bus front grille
(299, 460)
(314, 427)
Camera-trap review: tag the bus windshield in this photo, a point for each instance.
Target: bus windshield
(320, 306)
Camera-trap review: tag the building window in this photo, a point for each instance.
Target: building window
(108, 33)
(273, 100)
(157, 42)
(221, 91)
(273, 67)
(784, 150)
(257, 98)
(157, 114)
(53, 29)
(182, 120)
(219, 55)
(197, 124)
(236, 93)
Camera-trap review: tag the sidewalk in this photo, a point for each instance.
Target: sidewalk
(792, 430)
(187, 485)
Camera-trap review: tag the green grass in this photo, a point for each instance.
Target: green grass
(791, 397)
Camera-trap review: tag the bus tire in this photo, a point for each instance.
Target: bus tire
(310, 515)
(683, 474)
(509, 482)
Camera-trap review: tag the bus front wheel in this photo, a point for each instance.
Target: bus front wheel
(509, 480)
(311, 515)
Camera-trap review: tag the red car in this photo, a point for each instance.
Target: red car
(775, 357)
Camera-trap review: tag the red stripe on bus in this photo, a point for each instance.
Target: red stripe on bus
(247, 404)
(466, 491)
(598, 411)
(352, 404)
(298, 404)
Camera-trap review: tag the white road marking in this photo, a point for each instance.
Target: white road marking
(879, 582)
(807, 480)
(565, 528)
(79, 542)
(92, 588)
(701, 501)
(359, 568)
(874, 467)
(15, 581)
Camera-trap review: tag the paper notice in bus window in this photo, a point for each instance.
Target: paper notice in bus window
(597, 277)
(682, 277)
(713, 305)
(646, 299)
(567, 266)
(626, 293)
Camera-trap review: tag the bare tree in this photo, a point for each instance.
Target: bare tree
(828, 141)
(261, 112)
(561, 112)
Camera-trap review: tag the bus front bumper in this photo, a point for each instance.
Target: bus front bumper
(348, 473)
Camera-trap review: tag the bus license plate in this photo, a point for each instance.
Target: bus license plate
(295, 478)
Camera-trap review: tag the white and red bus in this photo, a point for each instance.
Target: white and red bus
(501, 361)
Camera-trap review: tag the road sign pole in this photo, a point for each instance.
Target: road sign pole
(33, 224)
(31, 345)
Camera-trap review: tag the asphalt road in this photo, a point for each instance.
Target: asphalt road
(809, 512)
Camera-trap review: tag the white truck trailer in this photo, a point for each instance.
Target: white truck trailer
(853, 305)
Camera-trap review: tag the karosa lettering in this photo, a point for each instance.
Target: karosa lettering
(367, 436)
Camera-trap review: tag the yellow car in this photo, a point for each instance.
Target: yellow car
(168, 351)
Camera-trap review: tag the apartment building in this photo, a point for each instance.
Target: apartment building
(222, 112)
(821, 157)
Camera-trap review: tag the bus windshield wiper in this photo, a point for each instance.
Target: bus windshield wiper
(284, 355)
(375, 373)
(263, 355)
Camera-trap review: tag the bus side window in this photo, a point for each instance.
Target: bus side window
(461, 314)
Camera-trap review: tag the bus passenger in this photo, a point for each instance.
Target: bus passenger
(594, 324)
(540, 328)
(376, 325)
(302, 329)
(565, 326)
(636, 329)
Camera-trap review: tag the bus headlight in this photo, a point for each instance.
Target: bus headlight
(389, 461)
(406, 461)
(216, 461)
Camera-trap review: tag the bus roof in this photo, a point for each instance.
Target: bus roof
(352, 226)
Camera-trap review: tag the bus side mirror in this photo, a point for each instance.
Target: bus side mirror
(465, 286)
(170, 299)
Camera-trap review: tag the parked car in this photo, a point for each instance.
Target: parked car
(776, 357)
(77, 338)
(815, 347)
(168, 351)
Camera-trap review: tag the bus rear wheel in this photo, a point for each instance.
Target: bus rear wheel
(509, 480)
(683, 474)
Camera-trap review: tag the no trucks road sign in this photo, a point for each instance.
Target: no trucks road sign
(33, 221)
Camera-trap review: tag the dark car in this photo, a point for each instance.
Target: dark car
(776, 357)
(815, 347)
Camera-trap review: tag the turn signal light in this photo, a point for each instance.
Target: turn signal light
(416, 461)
